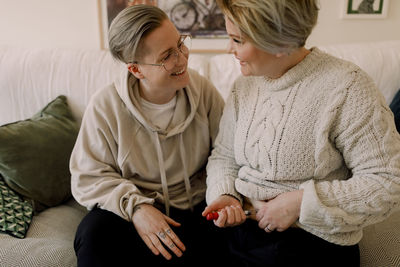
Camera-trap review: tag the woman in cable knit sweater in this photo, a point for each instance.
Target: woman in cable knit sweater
(305, 137)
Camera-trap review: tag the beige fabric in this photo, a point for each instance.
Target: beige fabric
(49, 241)
(380, 245)
(121, 160)
(322, 127)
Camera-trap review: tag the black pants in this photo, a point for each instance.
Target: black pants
(252, 246)
(105, 239)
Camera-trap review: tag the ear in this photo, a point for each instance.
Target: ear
(134, 69)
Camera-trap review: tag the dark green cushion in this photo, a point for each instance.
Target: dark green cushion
(34, 154)
(15, 213)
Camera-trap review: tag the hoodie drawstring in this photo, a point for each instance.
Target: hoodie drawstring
(161, 166)
(185, 173)
(162, 173)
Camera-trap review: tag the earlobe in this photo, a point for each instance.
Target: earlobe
(134, 69)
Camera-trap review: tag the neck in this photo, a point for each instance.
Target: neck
(288, 61)
(155, 96)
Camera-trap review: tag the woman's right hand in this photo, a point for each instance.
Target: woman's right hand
(230, 212)
(153, 227)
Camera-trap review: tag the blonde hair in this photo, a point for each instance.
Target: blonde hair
(273, 25)
(129, 27)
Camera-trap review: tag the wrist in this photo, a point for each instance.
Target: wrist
(299, 199)
(229, 195)
(138, 207)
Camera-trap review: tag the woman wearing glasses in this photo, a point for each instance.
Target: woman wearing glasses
(138, 163)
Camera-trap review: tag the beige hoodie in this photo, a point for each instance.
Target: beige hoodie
(121, 160)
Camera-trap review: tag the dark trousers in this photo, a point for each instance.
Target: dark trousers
(105, 239)
(252, 246)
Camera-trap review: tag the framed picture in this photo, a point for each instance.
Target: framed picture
(200, 18)
(365, 9)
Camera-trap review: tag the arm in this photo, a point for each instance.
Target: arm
(222, 169)
(96, 177)
(363, 130)
(97, 180)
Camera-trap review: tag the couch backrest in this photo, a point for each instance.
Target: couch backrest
(30, 78)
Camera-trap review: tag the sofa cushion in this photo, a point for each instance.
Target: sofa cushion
(15, 213)
(49, 241)
(34, 154)
(380, 245)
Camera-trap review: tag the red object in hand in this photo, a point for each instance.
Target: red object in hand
(212, 216)
(215, 215)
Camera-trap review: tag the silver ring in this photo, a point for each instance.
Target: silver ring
(269, 230)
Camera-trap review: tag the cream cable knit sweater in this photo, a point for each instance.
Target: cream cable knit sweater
(323, 127)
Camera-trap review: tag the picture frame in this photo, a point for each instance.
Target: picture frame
(364, 9)
(200, 18)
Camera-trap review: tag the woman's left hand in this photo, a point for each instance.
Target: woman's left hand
(280, 212)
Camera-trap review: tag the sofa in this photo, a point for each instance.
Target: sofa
(32, 78)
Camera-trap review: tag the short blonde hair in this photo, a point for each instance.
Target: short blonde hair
(273, 25)
(129, 27)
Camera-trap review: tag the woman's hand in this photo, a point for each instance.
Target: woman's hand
(153, 227)
(230, 212)
(280, 212)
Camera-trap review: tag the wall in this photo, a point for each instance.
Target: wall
(331, 29)
(76, 24)
(49, 23)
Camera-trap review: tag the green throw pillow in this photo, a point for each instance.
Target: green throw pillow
(34, 154)
(15, 213)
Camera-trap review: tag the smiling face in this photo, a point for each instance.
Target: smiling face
(156, 84)
(253, 61)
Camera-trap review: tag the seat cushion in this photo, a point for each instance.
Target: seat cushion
(49, 241)
(380, 245)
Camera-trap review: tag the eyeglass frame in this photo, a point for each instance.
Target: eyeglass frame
(175, 53)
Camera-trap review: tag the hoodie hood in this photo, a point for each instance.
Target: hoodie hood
(127, 86)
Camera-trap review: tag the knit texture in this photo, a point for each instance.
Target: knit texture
(322, 127)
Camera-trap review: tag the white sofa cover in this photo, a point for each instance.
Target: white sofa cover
(30, 78)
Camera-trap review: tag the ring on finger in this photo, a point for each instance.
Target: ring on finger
(169, 233)
(162, 234)
(268, 229)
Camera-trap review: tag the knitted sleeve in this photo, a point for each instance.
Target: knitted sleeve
(222, 169)
(361, 127)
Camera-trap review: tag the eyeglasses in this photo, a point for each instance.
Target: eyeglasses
(170, 61)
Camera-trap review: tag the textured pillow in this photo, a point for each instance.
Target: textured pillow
(15, 213)
(395, 107)
(34, 154)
